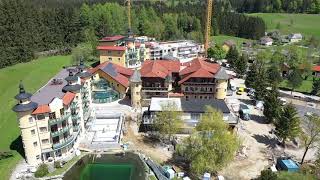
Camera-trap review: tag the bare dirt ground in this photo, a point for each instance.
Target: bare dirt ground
(146, 145)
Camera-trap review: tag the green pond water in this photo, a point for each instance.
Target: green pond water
(108, 167)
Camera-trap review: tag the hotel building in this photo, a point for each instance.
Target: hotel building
(52, 119)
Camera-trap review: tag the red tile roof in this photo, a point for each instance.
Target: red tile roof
(67, 98)
(42, 109)
(316, 68)
(112, 38)
(198, 68)
(115, 71)
(159, 68)
(112, 48)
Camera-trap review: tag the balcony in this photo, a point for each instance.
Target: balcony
(199, 83)
(76, 128)
(75, 117)
(63, 143)
(85, 90)
(60, 132)
(74, 105)
(59, 120)
(154, 89)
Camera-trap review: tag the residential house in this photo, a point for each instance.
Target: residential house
(295, 37)
(266, 41)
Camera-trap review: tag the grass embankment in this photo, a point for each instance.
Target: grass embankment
(34, 74)
(307, 24)
(222, 38)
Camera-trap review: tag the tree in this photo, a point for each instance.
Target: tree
(288, 124)
(232, 55)
(294, 79)
(311, 134)
(315, 87)
(240, 65)
(272, 105)
(82, 51)
(216, 52)
(168, 121)
(211, 146)
(41, 171)
(273, 75)
(251, 76)
(267, 174)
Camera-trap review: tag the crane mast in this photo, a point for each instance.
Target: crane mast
(208, 26)
(129, 13)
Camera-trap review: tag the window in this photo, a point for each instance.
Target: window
(216, 90)
(52, 115)
(33, 132)
(117, 85)
(119, 53)
(210, 89)
(137, 93)
(38, 156)
(110, 59)
(118, 59)
(35, 144)
(187, 89)
(30, 119)
(195, 116)
(109, 52)
(40, 116)
(45, 141)
(200, 97)
(62, 111)
(137, 85)
(43, 129)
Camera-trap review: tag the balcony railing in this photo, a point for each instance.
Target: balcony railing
(63, 143)
(74, 105)
(59, 120)
(61, 131)
(152, 89)
(76, 128)
(198, 83)
(75, 117)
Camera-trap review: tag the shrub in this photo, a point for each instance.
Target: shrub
(57, 164)
(41, 171)
(5, 154)
(267, 175)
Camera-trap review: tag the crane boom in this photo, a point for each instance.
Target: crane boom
(208, 26)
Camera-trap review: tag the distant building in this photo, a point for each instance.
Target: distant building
(266, 41)
(295, 37)
(227, 45)
(316, 71)
(191, 110)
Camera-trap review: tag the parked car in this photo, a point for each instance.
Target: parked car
(240, 91)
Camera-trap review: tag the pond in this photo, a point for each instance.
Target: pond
(126, 166)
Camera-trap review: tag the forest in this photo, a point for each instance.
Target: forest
(30, 28)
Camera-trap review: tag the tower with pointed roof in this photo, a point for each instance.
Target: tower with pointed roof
(221, 84)
(136, 86)
(28, 126)
(168, 82)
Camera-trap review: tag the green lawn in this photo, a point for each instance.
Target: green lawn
(283, 175)
(221, 39)
(306, 86)
(307, 24)
(34, 74)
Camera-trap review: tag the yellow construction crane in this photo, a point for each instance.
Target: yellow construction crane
(129, 13)
(208, 26)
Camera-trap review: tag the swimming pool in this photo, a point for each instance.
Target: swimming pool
(126, 166)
